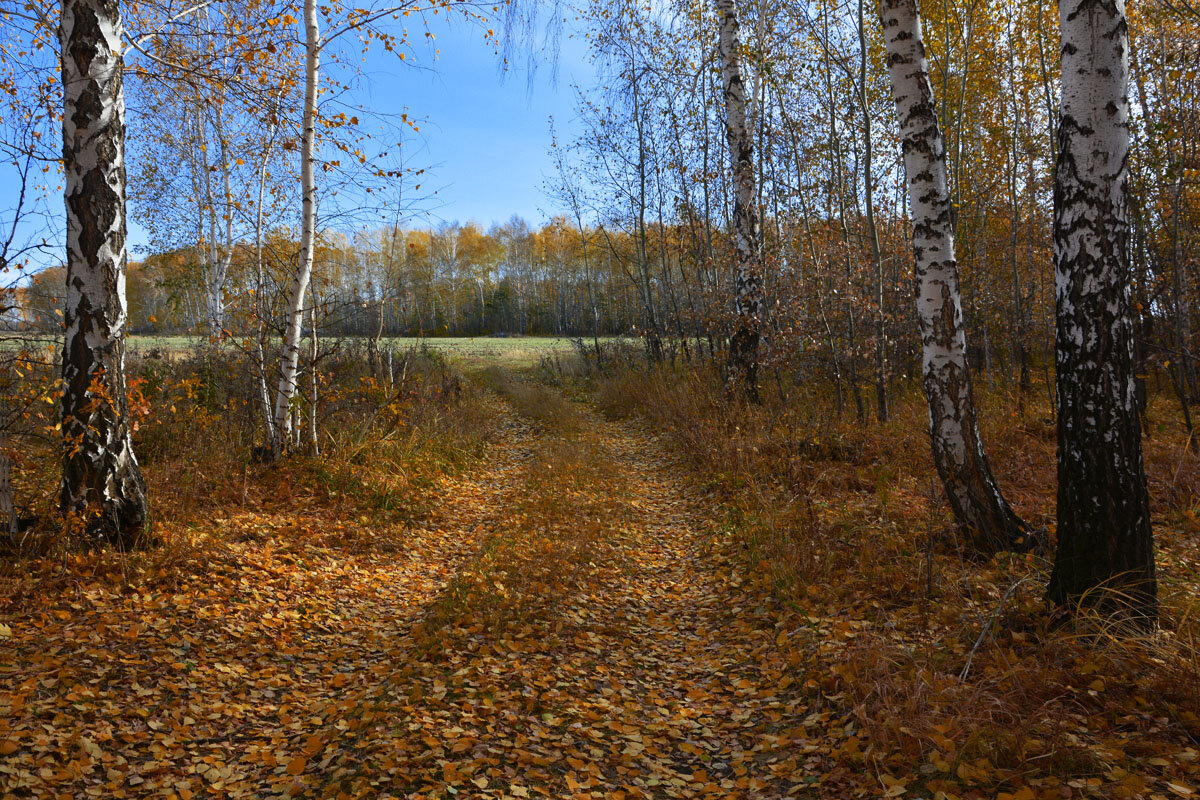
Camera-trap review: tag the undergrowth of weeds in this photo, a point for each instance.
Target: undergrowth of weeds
(584, 576)
(958, 683)
(196, 427)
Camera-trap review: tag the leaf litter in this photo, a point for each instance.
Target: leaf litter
(557, 625)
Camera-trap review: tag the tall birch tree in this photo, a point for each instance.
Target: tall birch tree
(355, 20)
(978, 505)
(743, 346)
(102, 483)
(290, 363)
(1105, 553)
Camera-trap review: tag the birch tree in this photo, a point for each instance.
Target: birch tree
(290, 362)
(356, 21)
(1105, 553)
(978, 505)
(102, 483)
(743, 346)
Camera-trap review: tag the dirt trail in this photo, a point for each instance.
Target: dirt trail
(630, 670)
(559, 625)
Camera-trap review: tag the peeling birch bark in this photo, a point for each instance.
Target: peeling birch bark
(743, 346)
(1104, 535)
(102, 485)
(979, 507)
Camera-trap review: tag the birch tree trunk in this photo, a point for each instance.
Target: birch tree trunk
(979, 507)
(1104, 535)
(313, 383)
(8, 506)
(260, 309)
(295, 319)
(102, 485)
(221, 260)
(743, 346)
(881, 398)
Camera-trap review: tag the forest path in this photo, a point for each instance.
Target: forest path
(595, 644)
(557, 624)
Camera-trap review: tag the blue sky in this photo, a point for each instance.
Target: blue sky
(484, 137)
(487, 138)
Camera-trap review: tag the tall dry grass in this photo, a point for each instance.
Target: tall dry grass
(938, 663)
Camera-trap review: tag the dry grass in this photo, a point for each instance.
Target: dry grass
(843, 526)
(196, 427)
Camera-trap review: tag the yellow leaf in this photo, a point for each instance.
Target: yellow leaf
(297, 765)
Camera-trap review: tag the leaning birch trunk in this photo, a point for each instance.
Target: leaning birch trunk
(743, 346)
(289, 366)
(979, 507)
(102, 487)
(1105, 540)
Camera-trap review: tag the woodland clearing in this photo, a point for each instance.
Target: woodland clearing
(549, 601)
(551, 623)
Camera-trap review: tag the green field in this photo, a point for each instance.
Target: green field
(520, 351)
(515, 351)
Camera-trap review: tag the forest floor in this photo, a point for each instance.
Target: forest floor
(557, 623)
(570, 614)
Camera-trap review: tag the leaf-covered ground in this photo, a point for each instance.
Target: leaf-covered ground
(573, 613)
(557, 623)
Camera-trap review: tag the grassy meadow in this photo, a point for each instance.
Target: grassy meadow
(473, 351)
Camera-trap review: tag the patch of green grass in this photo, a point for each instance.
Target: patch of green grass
(14, 342)
(468, 352)
(479, 351)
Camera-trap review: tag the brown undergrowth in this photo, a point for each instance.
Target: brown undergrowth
(958, 684)
(483, 588)
(553, 625)
(197, 431)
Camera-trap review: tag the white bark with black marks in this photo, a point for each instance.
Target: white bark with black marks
(286, 393)
(1104, 534)
(979, 507)
(102, 486)
(743, 347)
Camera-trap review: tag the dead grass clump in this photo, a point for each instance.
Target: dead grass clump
(534, 402)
